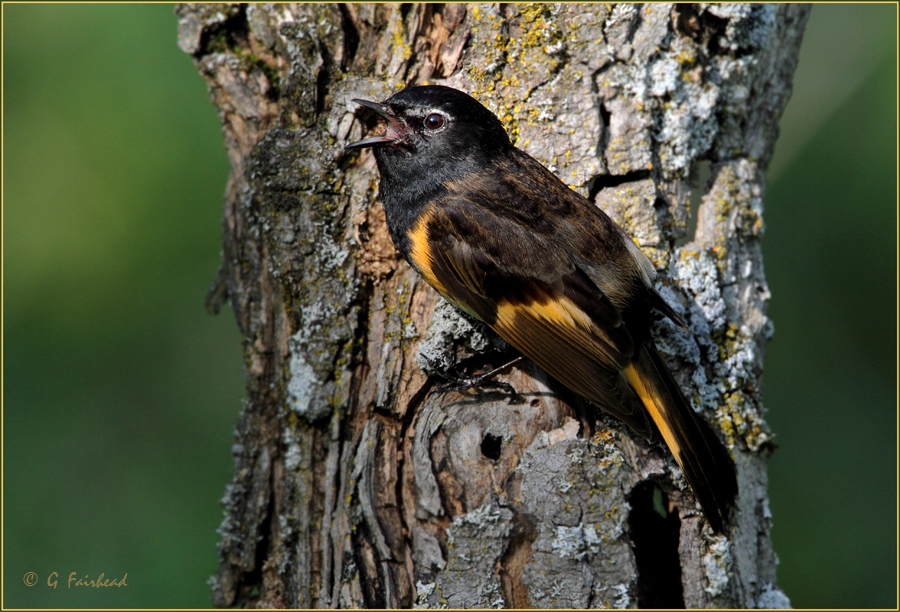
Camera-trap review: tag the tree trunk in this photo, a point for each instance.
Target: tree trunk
(357, 482)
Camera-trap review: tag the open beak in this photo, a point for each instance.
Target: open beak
(395, 128)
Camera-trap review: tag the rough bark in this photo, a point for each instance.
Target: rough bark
(357, 484)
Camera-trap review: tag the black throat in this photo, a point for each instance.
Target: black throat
(407, 189)
(405, 194)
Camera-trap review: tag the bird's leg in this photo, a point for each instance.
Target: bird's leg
(464, 383)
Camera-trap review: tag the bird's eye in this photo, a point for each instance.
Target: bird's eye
(434, 121)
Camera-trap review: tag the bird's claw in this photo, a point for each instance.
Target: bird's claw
(459, 383)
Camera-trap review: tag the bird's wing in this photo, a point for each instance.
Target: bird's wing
(535, 297)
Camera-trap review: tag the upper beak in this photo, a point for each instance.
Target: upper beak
(395, 128)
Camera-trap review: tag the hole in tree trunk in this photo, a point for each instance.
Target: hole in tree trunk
(491, 447)
(654, 535)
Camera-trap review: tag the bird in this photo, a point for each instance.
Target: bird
(503, 239)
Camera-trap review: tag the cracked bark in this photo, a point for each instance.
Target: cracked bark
(355, 484)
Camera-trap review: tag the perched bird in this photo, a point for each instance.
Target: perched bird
(503, 239)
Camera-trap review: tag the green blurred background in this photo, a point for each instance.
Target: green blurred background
(120, 392)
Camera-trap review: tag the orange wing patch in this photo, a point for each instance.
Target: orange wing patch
(557, 319)
(561, 311)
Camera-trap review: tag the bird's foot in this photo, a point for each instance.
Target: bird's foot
(458, 383)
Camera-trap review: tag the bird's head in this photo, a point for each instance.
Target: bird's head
(441, 130)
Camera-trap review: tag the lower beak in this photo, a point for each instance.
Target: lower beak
(395, 128)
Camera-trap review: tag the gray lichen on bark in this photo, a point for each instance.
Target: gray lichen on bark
(356, 484)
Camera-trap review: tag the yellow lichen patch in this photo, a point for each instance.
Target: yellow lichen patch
(400, 45)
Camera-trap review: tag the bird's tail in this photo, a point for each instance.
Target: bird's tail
(705, 461)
